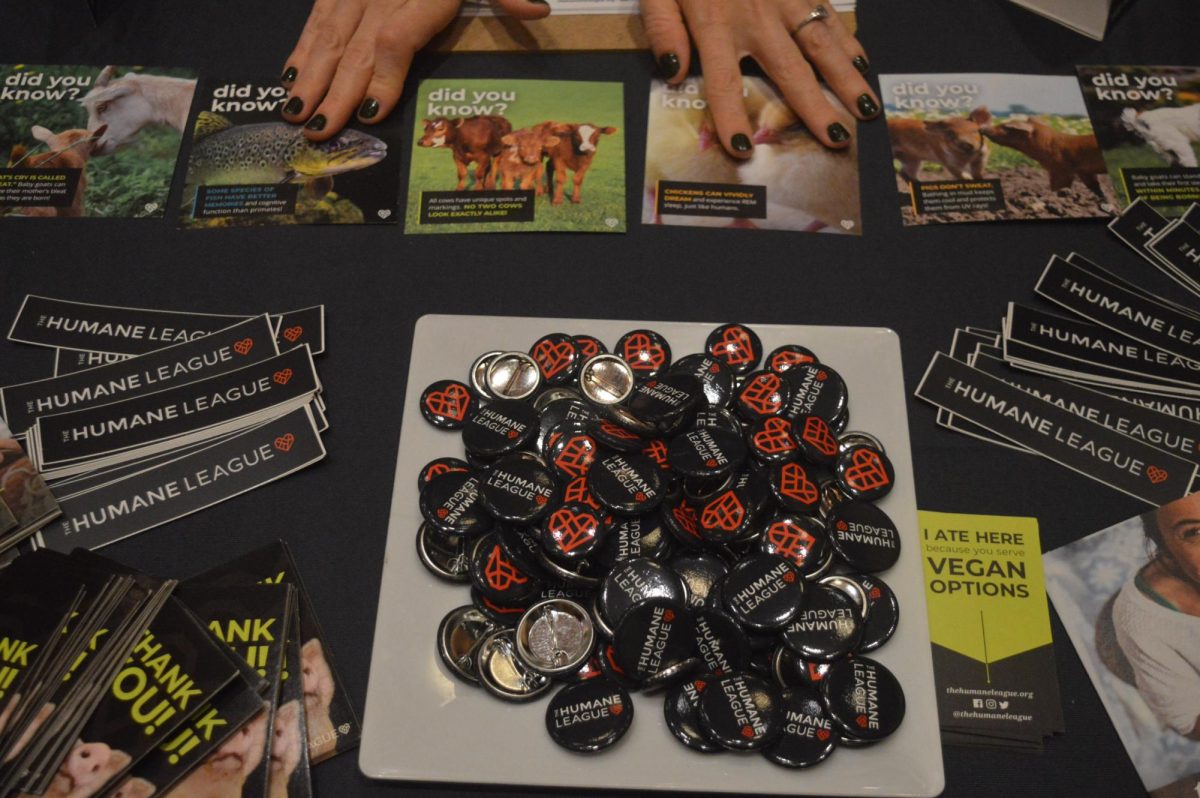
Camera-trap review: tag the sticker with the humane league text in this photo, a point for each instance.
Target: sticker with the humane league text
(1178, 245)
(1075, 259)
(1136, 226)
(183, 486)
(1085, 446)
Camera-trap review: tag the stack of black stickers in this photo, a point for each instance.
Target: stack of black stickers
(113, 682)
(1110, 389)
(151, 415)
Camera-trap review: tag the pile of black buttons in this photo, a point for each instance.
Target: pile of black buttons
(702, 527)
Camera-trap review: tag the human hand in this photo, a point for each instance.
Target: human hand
(775, 34)
(353, 56)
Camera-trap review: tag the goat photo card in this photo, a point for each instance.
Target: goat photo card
(90, 140)
(1147, 119)
(994, 148)
(792, 182)
(508, 156)
(247, 167)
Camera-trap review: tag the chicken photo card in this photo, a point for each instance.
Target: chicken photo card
(1147, 119)
(792, 182)
(247, 167)
(517, 156)
(94, 141)
(993, 148)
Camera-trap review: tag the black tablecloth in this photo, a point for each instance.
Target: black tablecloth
(375, 282)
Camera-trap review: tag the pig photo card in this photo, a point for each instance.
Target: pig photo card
(994, 148)
(98, 141)
(1147, 119)
(247, 167)
(792, 182)
(507, 156)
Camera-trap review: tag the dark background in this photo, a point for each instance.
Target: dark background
(375, 282)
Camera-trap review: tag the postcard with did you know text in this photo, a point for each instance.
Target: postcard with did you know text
(247, 167)
(517, 156)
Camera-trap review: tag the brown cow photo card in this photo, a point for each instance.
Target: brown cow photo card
(994, 148)
(99, 141)
(507, 156)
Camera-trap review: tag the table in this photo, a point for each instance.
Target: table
(375, 282)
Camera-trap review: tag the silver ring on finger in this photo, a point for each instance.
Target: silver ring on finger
(818, 13)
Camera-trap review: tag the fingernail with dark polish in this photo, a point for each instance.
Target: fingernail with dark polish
(668, 66)
(740, 142)
(540, 2)
(316, 123)
(368, 109)
(289, 75)
(294, 106)
(861, 64)
(867, 106)
(838, 133)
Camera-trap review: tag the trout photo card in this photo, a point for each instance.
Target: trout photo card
(993, 147)
(332, 724)
(507, 156)
(88, 140)
(247, 167)
(792, 182)
(1147, 119)
(1140, 649)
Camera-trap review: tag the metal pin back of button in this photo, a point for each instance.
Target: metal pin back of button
(477, 376)
(606, 380)
(459, 636)
(501, 671)
(555, 637)
(513, 375)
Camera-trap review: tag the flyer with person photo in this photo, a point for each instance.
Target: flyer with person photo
(792, 182)
(993, 148)
(90, 141)
(1147, 119)
(1129, 597)
(509, 156)
(247, 167)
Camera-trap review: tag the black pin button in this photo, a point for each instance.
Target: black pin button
(442, 465)
(576, 490)
(828, 626)
(716, 380)
(500, 427)
(700, 573)
(559, 412)
(883, 612)
(864, 472)
(656, 450)
(446, 556)
(500, 614)
(522, 545)
(818, 445)
(583, 574)
(763, 592)
(451, 504)
(763, 393)
(497, 577)
(459, 635)
(614, 436)
(789, 356)
(557, 357)
(634, 536)
(726, 515)
(573, 450)
(682, 712)
(720, 642)
(629, 484)
(795, 488)
(589, 346)
(717, 417)
(447, 404)
(864, 699)
(741, 712)
(633, 582)
(771, 441)
(665, 401)
(864, 536)
(817, 390)
(518, 489)
(589, 715)
(789, 670)
(679, 517)
(646, 352)
(808, 736)
(653, 636)
(610, 668)
(752, 479)
(706, 452)
(735, 345)
(572, 532)
(801, 539)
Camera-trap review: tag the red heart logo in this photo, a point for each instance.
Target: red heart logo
(822, 376)
(283, 376)
(642, 354)
(711, 463)
(817, 432)
(292, 333)
(284, 442)
(789, 577)
(700, 684)
(452, 402)
(512, 434)
(867, 471)
(842, 526)
(795, 484)
(442, 512)
(775, 436)
(875, 593)
(761, 395)
(616, 709)
(714, 369)
(735, 347)
(822, 734)
(553, 357)
(862, 721)
(540, 500)
(652, 384)
(747, 732)
(669, 615)
(639, 496)
(243, 346)
(1156, 475)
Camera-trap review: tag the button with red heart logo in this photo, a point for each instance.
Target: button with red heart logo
(572, 532)
(763, 393)
(646, 352)
(771, 441)
(292, 334)
(716, 379)
(439, 466)
(735, 345)
(789, 356)
(818, 445)
(864, 472)
(794, 488)
(517, 488)
(557, 357)
(882, 707)
(883, 612)
(742, 712)
(243, 346)
(589, 715)
(863, 536)
(446, 404)
(801, 539)
(808, 738)
(589, 346)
